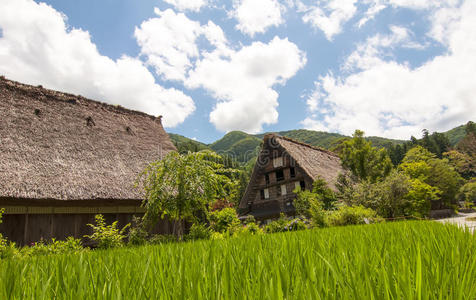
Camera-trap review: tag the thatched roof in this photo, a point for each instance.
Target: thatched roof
(60, 146)
(315, 161)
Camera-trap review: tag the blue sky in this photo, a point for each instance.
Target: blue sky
(388, 67)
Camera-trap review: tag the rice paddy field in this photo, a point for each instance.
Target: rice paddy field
(402, 260)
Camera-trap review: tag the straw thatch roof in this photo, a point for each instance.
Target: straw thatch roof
(316, 162)
(60, 146)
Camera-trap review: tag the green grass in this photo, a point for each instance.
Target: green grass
(405, 260)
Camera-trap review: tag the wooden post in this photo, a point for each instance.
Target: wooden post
(25, 230)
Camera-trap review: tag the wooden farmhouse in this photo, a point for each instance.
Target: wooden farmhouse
(283, 165)
(65, 158)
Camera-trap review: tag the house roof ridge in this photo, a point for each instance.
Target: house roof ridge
(55, 95)
(306, 145)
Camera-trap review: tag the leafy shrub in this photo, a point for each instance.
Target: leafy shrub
(467, 193)
(199, 232)
(295, 225)
(70, 245)
(217, 236)
(224, 220)
(253, 228)
(107, 236)
(158, 239)
(278, 225)
(353, 215)
(249, 219)
(137, 234)
(317, 214)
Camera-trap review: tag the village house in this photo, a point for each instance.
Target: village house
(65, 158)
(282, 166)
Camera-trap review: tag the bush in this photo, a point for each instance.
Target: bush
(353, 215)
(467, 193)
(224, 220)
(277, 226)
(137, 235)
(107, 236)
(199, 232)
(70, 245)
(158, 239)
(296, 224)
(249, 229)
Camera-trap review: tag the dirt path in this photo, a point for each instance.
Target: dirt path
(460, 220)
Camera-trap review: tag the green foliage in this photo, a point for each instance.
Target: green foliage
(225, 220)
(158, 239)
(107, 236)
(41, 248)
(394, 260)
(420, 196)
(364, 161)
(185, 145)
(467, 192)
(199, 232)
(278, 225)
(463, 163)
(137, 235)
(419, 163)
(182, 186)
(396, 196)
(353, 215)
(324, 193)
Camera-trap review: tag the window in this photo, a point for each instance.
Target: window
(278, 191)
(262, 194)
(266, 177)
(303, 185)
(297, 184)
(266, 193)
(292, 171)
(279, 175)
(283, 189)
(278, 162)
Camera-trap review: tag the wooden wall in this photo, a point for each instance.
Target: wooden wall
(25, 229)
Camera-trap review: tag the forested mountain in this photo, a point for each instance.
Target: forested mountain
(243, 146)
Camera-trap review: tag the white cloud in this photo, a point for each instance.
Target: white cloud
(241, 80)
(255, 16)
(378, 46)
(37, 47)
(192, 5)
(169, 43)
(375, 8)
(391, 99)
(330, 17)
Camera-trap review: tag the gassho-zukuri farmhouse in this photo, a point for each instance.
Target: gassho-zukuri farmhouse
(282, 166)
(65, 158)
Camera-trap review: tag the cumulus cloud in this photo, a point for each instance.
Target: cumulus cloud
(241, 80)
(38, 47)
(391, 99)
(192, 5)
(329, 17)
(257, 16)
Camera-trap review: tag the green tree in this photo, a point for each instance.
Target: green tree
(467, 193)
(419, 163)
(324, 193)
(462, 163)
(363, 160)
(182, 186)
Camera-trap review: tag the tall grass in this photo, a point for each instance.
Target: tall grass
(405, 260)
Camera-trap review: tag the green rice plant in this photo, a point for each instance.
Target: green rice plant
(396, 260)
